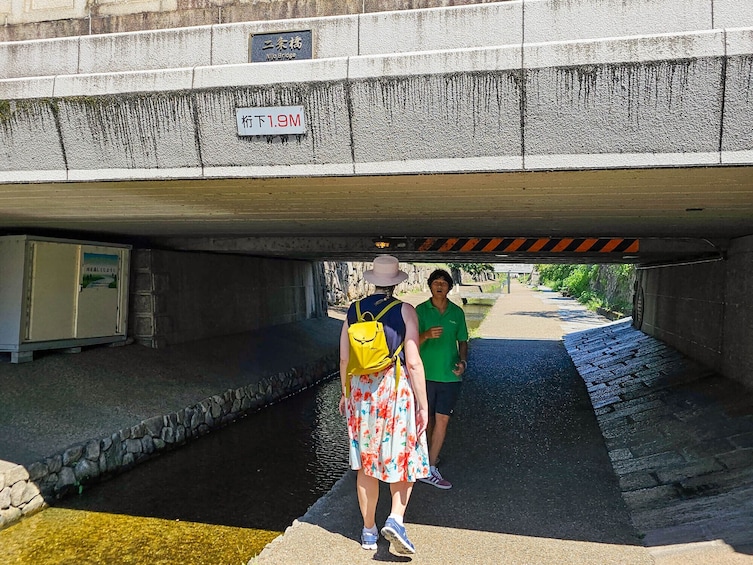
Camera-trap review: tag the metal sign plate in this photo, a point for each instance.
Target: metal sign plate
(282, 46)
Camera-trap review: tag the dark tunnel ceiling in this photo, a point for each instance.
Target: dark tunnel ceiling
(675, 213)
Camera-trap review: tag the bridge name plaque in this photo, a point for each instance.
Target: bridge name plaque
(283, 46)
(274, 120)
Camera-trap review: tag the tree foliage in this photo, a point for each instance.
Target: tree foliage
(607, 286)
(473, 269)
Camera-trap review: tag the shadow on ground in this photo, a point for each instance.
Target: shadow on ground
(524, 452)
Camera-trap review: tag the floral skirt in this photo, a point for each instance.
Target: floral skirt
(382, 428)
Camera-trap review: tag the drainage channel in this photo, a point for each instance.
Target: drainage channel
(219, 499)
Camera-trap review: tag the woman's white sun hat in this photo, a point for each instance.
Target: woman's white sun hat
(385, 272)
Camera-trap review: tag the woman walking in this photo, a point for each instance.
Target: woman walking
(386, 411)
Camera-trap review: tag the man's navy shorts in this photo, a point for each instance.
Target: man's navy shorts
(442, 397)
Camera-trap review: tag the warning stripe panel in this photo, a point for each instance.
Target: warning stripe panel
(530, 245)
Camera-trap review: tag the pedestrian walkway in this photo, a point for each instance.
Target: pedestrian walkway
(534, 482)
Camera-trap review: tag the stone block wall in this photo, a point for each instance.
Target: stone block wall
(345, 282)
(36, 21)
(737, 349)
(19, 495)
(24, 490)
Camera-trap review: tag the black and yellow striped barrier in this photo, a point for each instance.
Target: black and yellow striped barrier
(501, 245)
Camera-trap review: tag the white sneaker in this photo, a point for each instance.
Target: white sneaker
(435, 478)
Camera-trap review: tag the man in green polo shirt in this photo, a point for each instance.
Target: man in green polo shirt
(443, 339)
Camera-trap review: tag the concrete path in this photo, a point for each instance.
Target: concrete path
(532, 477)
(536, 480)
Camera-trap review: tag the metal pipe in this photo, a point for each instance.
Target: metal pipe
(680, 263)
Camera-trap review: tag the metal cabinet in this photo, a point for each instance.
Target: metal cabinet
(59, 293)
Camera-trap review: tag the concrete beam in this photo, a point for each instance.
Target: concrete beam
(630, 102)
(116, 111)
(737, 138)
(648, 250)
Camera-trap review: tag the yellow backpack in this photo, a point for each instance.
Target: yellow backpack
(369, 352)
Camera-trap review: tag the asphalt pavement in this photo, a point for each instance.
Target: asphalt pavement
(533, 477)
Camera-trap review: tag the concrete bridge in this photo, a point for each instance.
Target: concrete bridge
(524, 131)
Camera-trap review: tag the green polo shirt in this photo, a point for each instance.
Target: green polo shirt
(441, 354)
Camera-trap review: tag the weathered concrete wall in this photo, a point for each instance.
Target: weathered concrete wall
(55, 19)
(162, 104)
(703, 310)
(178, 296)
(737, 348)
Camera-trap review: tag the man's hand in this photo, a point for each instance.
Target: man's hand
(460, 367)
(433, 333)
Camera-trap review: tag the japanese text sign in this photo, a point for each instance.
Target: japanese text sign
(283, 46)
(274, 120)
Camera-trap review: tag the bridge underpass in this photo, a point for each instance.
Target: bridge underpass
(529, 120)
(675, 213)
(532, 132)
(534, 137)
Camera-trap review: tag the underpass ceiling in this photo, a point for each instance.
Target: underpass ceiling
(677, 213)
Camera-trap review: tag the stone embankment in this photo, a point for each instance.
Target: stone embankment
(345, 281)
(24, 489)
(680, 436)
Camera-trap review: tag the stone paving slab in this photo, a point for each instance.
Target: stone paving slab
(679, 438)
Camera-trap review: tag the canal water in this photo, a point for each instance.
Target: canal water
(217, 500)
(475, 314)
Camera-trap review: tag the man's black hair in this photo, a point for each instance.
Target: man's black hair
(441, 274)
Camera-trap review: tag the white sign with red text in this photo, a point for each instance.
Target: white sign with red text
(275, 120)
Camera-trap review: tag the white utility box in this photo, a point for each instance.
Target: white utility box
(61, 293)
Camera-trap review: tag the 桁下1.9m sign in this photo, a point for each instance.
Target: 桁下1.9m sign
(275, 120)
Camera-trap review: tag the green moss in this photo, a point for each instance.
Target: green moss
(5, 110)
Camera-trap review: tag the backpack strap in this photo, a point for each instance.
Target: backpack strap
(395, 356)
(360, 316)
(384, 310)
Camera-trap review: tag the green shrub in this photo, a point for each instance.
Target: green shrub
(596, 286)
